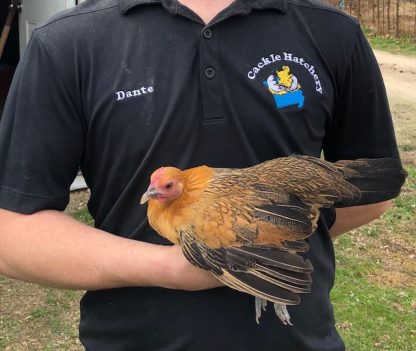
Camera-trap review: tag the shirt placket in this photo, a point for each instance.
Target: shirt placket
(210, 76)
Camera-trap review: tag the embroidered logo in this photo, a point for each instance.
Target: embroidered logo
(284, 85)
(285, 88)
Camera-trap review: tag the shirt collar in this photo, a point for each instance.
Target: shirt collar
(281, 5)
(126, 5)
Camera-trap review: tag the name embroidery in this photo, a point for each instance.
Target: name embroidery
(288, 57)
(121, 95)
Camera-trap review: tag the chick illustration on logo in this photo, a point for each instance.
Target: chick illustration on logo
(285, 88)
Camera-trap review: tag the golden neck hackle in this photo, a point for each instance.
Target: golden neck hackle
(167, 218)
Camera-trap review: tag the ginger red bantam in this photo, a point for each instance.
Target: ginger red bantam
(248, 226)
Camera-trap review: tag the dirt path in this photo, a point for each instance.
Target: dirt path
(399, 73)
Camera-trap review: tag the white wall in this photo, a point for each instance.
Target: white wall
(35, 12)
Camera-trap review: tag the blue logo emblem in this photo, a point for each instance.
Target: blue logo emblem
(285, 88)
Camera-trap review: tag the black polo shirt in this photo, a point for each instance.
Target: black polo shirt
(122, 87)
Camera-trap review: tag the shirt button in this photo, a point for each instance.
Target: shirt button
(207, 33)
(209, 72)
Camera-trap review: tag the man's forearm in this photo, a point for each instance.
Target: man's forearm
(52, 249)
(349, 218)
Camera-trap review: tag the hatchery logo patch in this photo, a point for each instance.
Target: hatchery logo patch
(285, 88)
(283, 85)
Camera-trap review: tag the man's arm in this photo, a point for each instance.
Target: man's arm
(349, 218)
(52, 249)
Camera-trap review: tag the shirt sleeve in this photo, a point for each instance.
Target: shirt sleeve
(362, 125)
(41, 134)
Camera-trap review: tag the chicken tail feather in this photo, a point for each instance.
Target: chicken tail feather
(377, 179)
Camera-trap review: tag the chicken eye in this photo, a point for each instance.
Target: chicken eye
(168, 186)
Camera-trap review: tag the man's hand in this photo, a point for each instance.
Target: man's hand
(180, 274)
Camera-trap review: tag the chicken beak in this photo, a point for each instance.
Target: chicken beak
(151, 193)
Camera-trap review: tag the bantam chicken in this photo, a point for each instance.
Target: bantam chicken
(248, 226)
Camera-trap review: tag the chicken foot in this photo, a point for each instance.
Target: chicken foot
(260, 305)
(280, 310)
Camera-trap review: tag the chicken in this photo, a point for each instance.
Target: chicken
(248, 226)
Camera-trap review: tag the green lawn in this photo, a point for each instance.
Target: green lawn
(375, 296)
(402, 46)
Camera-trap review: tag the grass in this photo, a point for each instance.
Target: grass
(407, 147)
(402, 46)
(374, 296)
(84, 216)
(35, 318)
(370, 316)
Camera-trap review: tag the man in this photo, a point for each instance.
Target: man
(122, 87)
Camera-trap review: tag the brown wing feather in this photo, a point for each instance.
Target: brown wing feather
(267, 273)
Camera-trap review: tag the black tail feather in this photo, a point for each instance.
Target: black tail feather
(377, 179)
